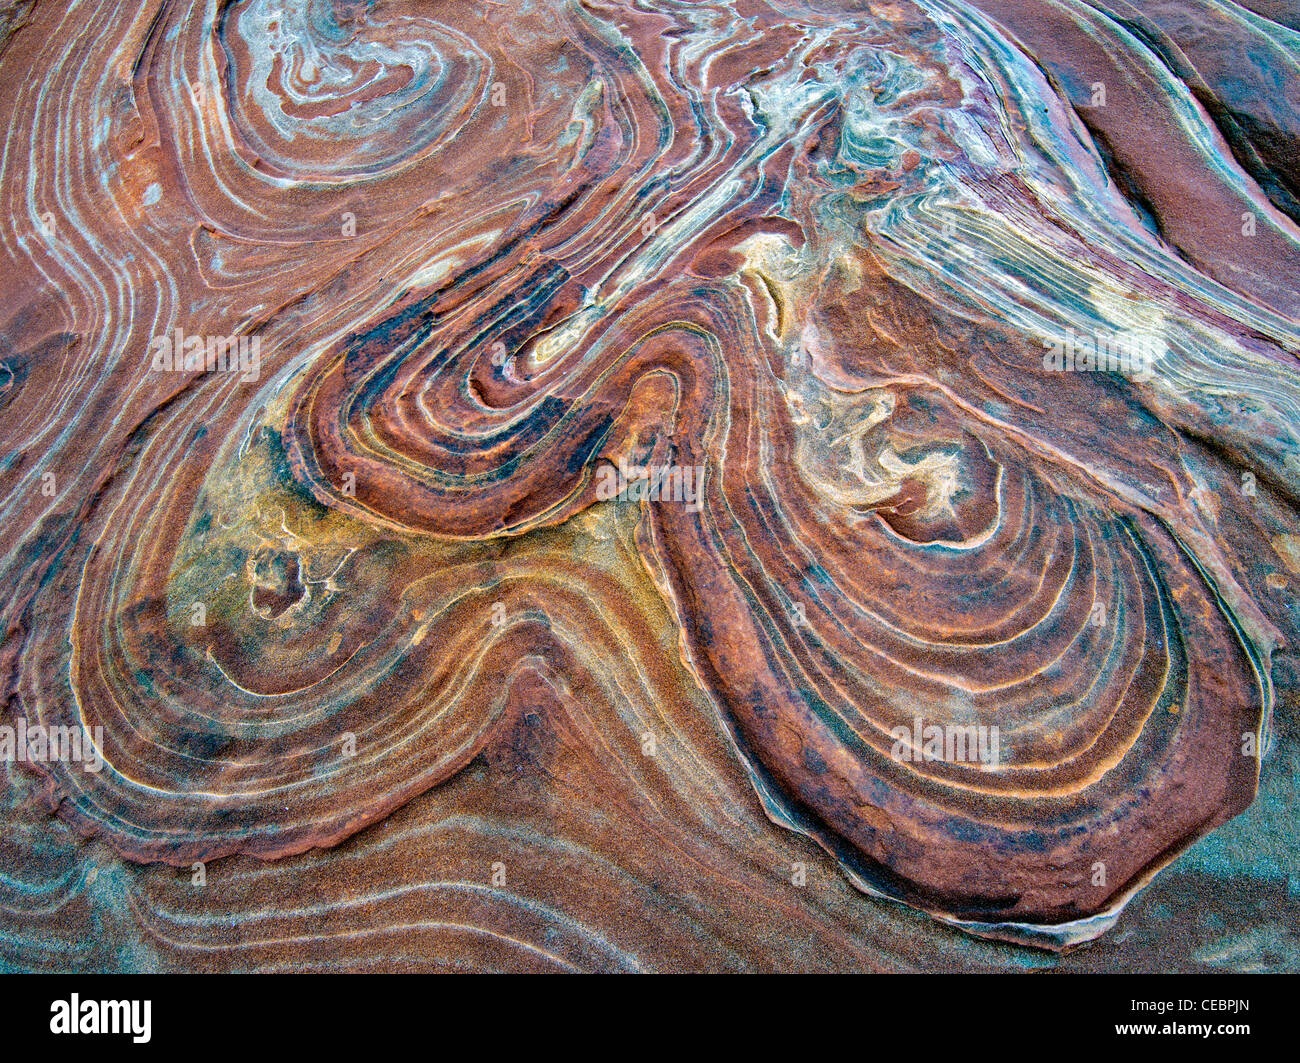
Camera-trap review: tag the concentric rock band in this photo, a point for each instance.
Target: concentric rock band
(942, 359)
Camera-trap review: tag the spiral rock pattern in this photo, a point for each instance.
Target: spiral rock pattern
(354, 620)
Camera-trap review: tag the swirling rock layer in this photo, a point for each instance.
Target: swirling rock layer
(379, 673)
